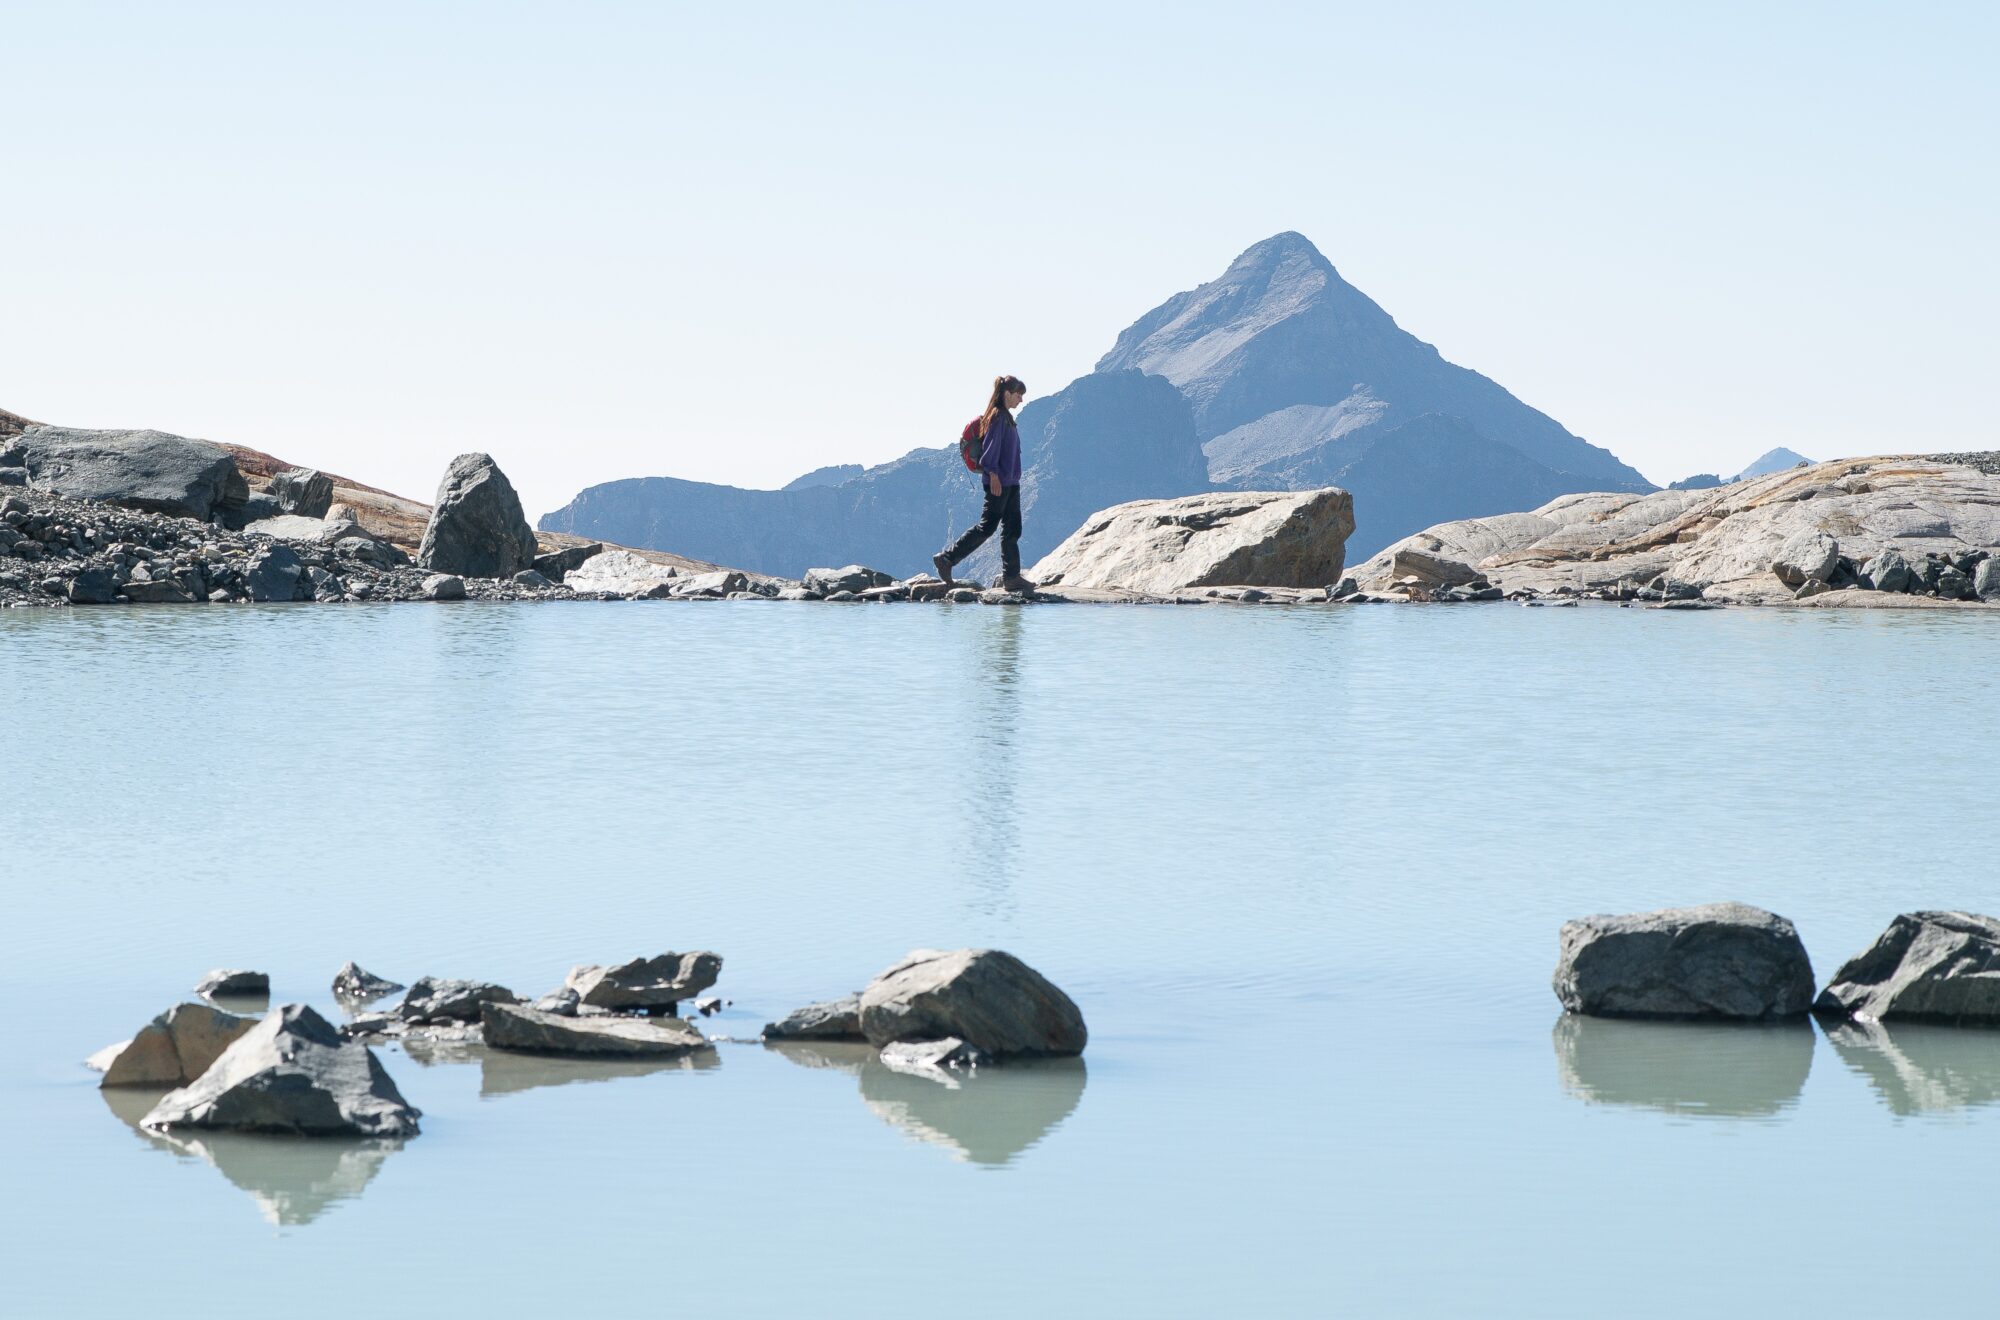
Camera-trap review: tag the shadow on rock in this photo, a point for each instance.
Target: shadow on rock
(293, 1180)
(1922, 1068)
(1705, 1069)
(989, 1116)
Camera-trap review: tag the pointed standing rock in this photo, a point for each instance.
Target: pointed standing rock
(477, 528)
(352, 982)
(291, 1073)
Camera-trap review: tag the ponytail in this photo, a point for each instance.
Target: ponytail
(1002, 387)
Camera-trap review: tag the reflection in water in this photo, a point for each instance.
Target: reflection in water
(986, 1117)
(1713, 1069)
(992, 767)
(1922, 1067)
(293, 1180)
(505, 1072)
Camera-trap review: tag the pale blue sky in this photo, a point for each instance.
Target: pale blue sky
(736, 242)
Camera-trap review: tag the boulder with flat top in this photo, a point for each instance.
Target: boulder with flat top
(512, 1027)
(1227, 538)
(147, 470)
(1717, 960)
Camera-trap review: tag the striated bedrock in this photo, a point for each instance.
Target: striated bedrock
(1231, 538)
(1927, 966)
(1752, 542)
(1716, 960)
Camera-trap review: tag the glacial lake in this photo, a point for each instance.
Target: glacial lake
(1302, 868)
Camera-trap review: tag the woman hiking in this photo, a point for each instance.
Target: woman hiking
(1000, 477)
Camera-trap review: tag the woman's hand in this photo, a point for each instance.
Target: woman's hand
(993, 483)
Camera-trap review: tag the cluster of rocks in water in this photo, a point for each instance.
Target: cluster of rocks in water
(1736, 962)
(294, 1072)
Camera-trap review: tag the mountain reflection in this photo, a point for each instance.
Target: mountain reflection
(293, 1180)
(1722, 1070)
(1920, 1068)
(986, 1117)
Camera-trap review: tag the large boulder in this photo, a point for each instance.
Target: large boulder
(1986, 579)
(305, 492)
(835, 1019)
(148, 470)
(276, 573)
(477, 528)
(1231, 538)
(1934, 966)
(1718, 960)
(984, 997)
(174, 1048)
(291, 1073)
(621, 573)
(1804, 556)
(654, 984)
(509, 1027)
(436, 999)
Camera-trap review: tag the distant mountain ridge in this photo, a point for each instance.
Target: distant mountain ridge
(1276, 375)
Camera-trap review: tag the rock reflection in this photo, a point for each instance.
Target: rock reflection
(293, 1180)
(986, 1117)
(507, 1072)
(1720, 1070)
(1922, 1068)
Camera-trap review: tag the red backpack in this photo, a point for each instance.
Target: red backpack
(971, 444)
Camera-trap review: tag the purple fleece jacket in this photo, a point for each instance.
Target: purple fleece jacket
(1002, 454)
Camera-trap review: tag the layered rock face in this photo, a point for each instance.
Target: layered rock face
(1718, 960)
(1251, 538)
(1927, 966)
(477, 528)
(510, 1027)
(983, 997)
(291, 1073)
(151, 471)
(1753, 542)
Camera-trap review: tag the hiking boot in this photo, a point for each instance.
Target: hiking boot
(943, 567)
(1017, 584)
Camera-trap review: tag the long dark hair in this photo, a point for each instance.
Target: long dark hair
(1002, 387)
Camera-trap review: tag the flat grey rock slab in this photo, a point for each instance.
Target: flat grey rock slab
(511, 1027)
(291, 1073)
(1927, 966)
(1717, 960)
(833, 1019)
(988, 998)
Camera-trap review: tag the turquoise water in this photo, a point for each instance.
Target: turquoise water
(1302, 869)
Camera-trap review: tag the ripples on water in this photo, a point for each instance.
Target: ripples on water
(1303, 869)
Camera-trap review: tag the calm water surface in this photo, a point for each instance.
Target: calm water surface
(1302, 869)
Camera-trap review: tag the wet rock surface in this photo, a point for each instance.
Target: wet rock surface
(984, 997)
(1717, 960)
(291, 1073)
(1926, 967)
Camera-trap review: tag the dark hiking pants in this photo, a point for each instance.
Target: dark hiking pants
(1002, 511)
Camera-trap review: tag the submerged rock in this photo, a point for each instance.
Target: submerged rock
(1927, 966)
(509, 1027)
(351, 982)
(291, 1073)
(477, 528)
(1228, 538)
(173, 1049)
(432, 999)
(228, 982)
(987, 998)
(1718, 960)
(656, 983)
(834, 1019)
